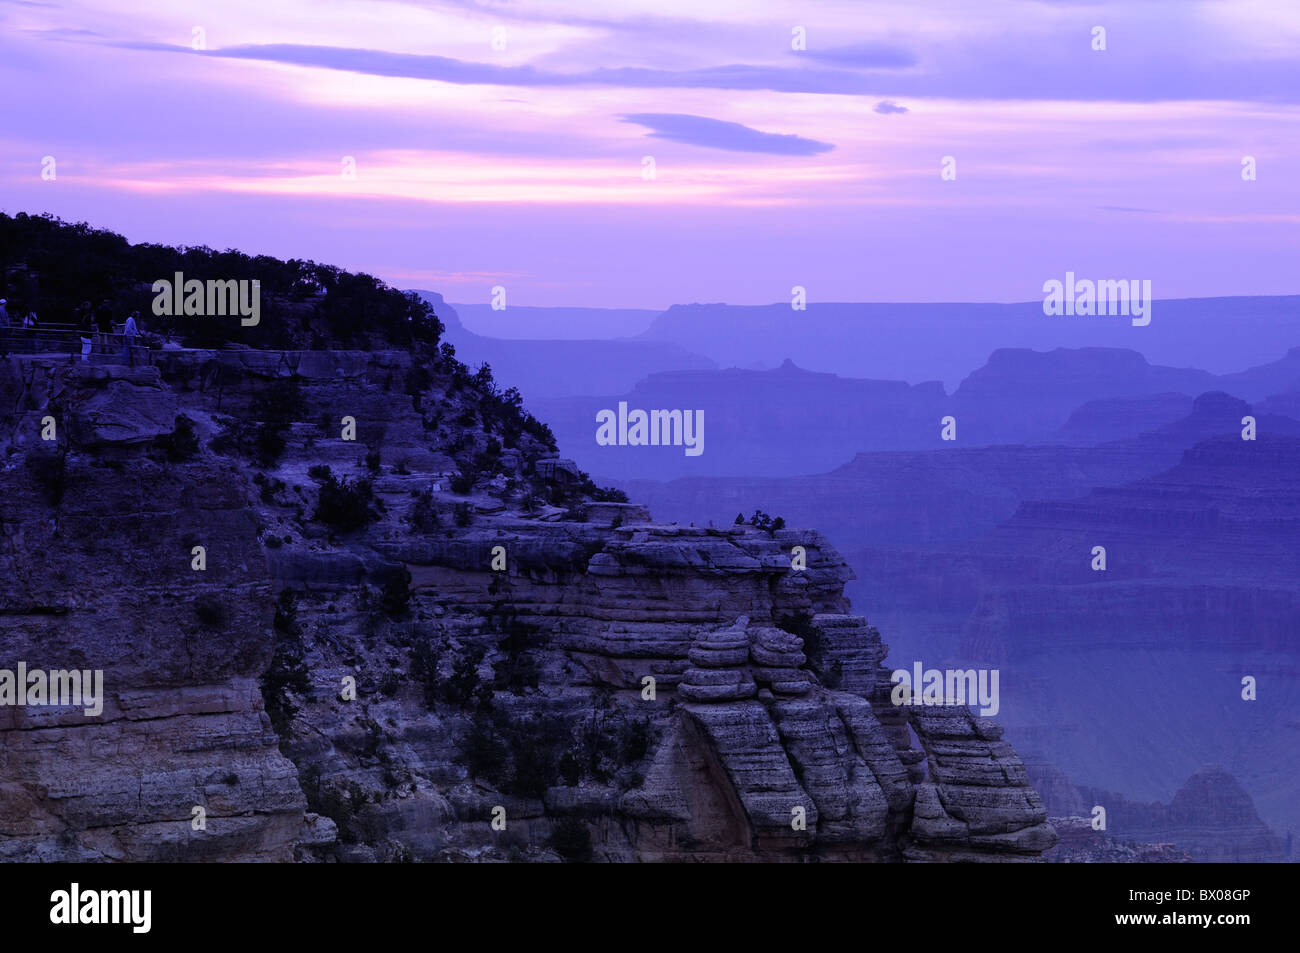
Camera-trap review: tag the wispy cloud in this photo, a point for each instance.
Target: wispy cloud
(737, 76)
(718, 134)
(886, 108)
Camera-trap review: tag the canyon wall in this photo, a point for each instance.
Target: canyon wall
(372, 665)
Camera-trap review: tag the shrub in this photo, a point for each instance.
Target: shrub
(535, 770)
(424, 669)
(570, 769)
(287, 671)
(372, 461)
(517, 756)
(463, 687)
(535, 744)
(633, 741)
(261, 442)
(182, 443)
(486, 463)
(483, 751)
(268, 443)
(424, 514)
(518, 670)
(344, 504)
(595, 747)
(464, 516)
(417, 380)
(463, 482)
(341, 802)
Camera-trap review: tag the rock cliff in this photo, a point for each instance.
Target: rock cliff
(325, 633)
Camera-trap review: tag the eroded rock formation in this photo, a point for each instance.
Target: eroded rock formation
(396, 669)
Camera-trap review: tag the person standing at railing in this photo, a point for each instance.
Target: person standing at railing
(4, 328)
(129, 334)
(86, 326)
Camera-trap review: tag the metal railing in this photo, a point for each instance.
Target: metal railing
(55, 340)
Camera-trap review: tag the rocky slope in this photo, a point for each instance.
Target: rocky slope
(391, 655)
(1209, 818)
(1079, 844)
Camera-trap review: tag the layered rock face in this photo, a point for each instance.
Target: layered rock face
(1129, 677)
(449, 675)
(95, 574)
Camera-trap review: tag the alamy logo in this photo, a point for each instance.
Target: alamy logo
(75, 906)
(1103, 297)
(84, 689)
(655, 428)
(213, 299)
(933, 686)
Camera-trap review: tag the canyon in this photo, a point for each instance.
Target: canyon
(1128, 678)
(348, 678)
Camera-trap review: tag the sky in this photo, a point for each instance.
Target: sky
(462, 146)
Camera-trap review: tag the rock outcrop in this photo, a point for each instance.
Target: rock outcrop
(371, 665)
(95, 574)
(1079, 843)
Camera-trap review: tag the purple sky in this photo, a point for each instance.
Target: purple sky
(774, 167)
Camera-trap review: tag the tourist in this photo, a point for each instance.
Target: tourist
(86, 327)
(129, 334)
